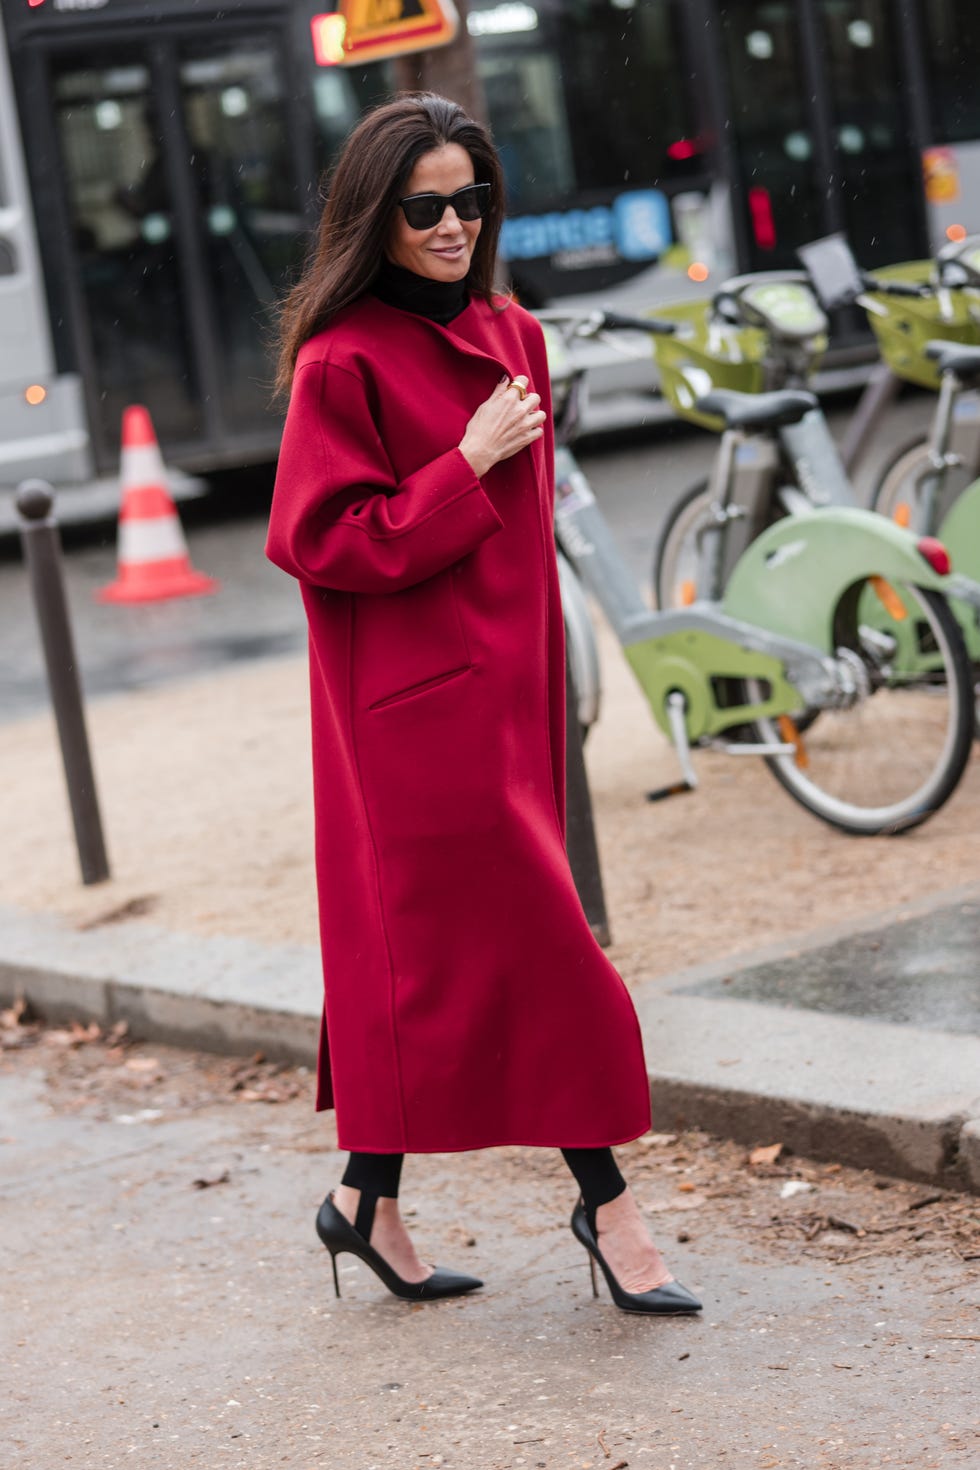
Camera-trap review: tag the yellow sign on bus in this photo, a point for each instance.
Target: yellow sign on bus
(941, 174)
(369, 30)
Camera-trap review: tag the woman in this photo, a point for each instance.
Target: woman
(467, 1003)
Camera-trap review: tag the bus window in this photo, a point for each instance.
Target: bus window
(336, 109)
(584, 97)
(952, 30)
(526, 104)
(623, 70)
(772, 128)
(122, 223)
(251, 210)
(876, 168)
(340, 96)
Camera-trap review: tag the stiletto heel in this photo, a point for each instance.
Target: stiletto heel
(595, 1284)
(670, 1300)
(339, 1235)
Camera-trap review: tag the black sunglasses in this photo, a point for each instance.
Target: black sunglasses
(424, 211)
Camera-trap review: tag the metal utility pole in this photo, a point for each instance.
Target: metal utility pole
(449, 70)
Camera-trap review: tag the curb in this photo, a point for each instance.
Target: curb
(231, 996)
(873, 1095)
(870, 1094)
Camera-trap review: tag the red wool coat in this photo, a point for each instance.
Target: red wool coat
(466, 1001)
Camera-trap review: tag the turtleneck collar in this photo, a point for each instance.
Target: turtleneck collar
(440, 301)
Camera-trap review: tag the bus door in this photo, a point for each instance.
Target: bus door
(183, 219)
(815, 100)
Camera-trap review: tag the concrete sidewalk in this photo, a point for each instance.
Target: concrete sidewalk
(792, 1045)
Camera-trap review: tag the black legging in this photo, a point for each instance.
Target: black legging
(596, 1173)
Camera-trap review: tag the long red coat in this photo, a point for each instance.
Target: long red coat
(466, 1001)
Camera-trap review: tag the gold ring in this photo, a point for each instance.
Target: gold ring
(520, 388)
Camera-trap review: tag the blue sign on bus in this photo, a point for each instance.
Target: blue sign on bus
(636, 225)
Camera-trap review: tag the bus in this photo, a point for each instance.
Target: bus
(160, 167)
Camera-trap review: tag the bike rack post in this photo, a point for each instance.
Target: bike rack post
(580, 841)
(42, 553)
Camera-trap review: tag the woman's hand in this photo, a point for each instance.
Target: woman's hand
(503, 425)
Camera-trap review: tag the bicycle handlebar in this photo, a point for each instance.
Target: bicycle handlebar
(594, 323)
(612, 321)
(895, 288)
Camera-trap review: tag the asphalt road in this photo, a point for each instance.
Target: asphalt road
(257, 612)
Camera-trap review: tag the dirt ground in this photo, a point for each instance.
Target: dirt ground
(205, 789)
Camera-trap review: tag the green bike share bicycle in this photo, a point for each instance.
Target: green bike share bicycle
(926, 318)
(781, 632)
(769, 330)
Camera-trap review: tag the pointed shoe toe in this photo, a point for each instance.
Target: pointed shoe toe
(670, 1300)
(442, 1283)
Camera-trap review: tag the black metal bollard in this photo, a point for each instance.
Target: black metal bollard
(42, 553)
(583, 852)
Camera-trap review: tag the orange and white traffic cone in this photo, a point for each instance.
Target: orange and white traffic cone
(153, 561)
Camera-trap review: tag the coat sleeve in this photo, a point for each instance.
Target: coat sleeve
(340, 519)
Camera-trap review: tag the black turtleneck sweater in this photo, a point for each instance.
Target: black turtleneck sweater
(440, 301)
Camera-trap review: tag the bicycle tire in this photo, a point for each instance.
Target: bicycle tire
(854, 749)
(580, 640)
(675, 556)
(902, 470)
(900, 473)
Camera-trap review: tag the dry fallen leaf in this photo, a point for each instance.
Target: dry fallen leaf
(269, 1094)
(142, 1064)
(768, 1154)
(19, 1014)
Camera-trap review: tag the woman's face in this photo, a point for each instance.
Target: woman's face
(442, 253)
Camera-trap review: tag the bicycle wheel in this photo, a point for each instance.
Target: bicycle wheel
(675, 560)
(583, 655)
(896, 489)
(896, 484)
(895, 754)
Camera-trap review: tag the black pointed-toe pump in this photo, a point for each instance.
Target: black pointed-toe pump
(670, 1300)
(339, 1235)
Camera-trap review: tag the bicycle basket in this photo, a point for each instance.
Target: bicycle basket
(705, 355)
(903, 325)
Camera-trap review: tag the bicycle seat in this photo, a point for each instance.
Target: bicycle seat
(757, 410)
(953, 357)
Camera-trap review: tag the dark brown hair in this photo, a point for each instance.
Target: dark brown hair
(369, 178)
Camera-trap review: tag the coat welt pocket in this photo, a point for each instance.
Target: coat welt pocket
(422, 688)
(406, 641)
